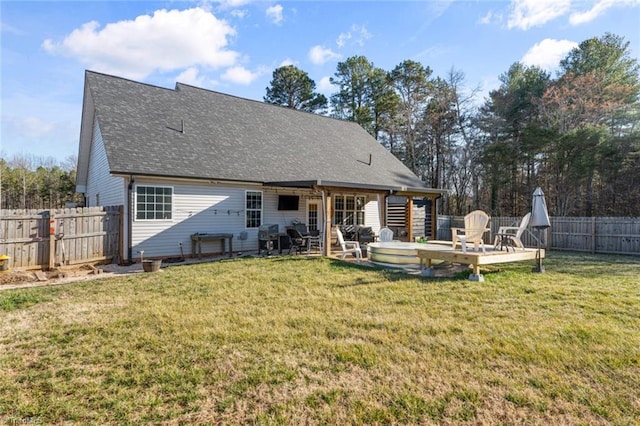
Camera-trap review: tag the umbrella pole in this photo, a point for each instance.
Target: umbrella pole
(538, 268)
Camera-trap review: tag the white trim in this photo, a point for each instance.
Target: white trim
(319, 212)
(344, 210)
(247, 209)
(135, 202)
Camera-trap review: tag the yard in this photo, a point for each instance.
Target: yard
(297, 340)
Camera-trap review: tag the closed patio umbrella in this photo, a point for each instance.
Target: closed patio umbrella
(539, 220)
(539, 214)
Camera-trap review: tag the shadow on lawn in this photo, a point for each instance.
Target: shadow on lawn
(398, 275)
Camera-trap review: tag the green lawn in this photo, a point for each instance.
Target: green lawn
(298, 340)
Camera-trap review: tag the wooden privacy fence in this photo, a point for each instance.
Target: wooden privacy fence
(611, 235)
(619, 235)
(35, 239)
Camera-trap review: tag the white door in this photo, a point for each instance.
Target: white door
(314, 215)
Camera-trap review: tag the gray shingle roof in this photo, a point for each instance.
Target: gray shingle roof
(230, 138)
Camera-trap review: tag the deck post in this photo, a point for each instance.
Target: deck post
(327, 224)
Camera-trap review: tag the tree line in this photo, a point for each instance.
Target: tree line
(32, 182)
(575, 135)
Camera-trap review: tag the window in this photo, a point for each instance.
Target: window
(348, 210)
(154, 202)
(312, 216)
(253, 209)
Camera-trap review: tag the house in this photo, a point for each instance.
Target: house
(189, 160)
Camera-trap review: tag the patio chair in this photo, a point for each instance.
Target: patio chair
(301, 228)
(350, 232)
(511, 234)
(475, 225)
(365, 235)
(348, 247)
(386, 235)
(298, 241)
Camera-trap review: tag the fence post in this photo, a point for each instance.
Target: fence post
(52, 240)
(593, 235)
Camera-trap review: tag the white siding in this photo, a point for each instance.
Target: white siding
(271, 214)
(204, 207)
(372, 216)
(100, 183)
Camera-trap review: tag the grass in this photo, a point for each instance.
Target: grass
(297, 340)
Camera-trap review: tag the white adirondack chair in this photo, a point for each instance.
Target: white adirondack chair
(475, 225)
(349, 247)
(513, 233)
(386, 235)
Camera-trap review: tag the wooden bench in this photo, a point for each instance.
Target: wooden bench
(197, 239)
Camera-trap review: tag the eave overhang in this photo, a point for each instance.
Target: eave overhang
(391, 189)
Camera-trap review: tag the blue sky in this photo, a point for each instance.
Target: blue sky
(233, 46)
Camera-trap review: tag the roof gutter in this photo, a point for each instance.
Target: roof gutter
(308, 184)
(398, 190)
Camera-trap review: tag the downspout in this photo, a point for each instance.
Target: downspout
(132, 181)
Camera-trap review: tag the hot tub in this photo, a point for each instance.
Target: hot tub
(396, 254)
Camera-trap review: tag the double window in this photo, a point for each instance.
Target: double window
(348, 210)
(154, 202)
(253, 209)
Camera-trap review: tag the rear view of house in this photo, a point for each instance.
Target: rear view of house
(189, 160)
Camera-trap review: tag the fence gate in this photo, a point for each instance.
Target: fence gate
(35, 239)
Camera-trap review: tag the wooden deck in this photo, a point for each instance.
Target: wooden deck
(442, 250)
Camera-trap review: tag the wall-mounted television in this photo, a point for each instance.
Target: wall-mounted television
(288, 202)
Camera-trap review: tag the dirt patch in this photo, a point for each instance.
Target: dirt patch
(12, 277)
(17, 278)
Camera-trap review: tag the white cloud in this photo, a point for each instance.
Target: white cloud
(532, 13)
(357, 33)
(548, 53)
(598, 9)
(342, 39)
(10, 29)
(274, 13)
(230, 4)
(239, 13)
(165, 41)
(491, 18)
(486, 19)
(192, 77)
(33, 127)
(239, 75)
(591, 14)
(42, 125)
(324, 85)
(286, 62)
(320, 55)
